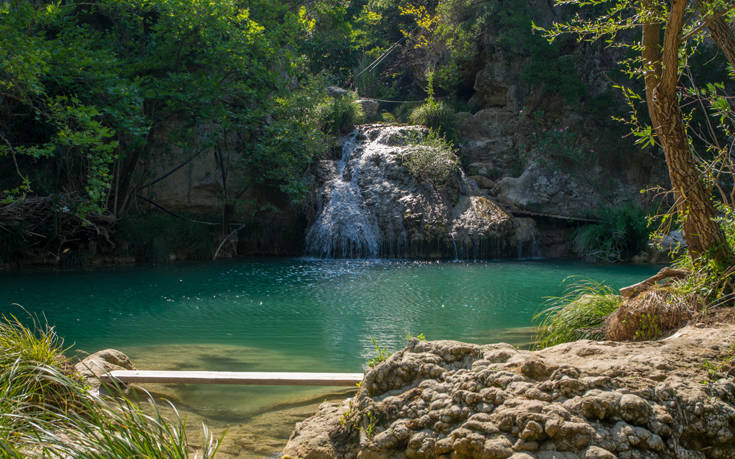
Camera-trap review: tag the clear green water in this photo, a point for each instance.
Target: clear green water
(281, 315)
(314, 308)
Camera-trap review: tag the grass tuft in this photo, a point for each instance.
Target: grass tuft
(578, 314)
(37, 343)
(46, 409)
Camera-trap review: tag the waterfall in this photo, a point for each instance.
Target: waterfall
(370, 205)
(344, 227)
(454, 246)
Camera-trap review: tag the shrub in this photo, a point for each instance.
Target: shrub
(578, 314)
(431, 158)
(621, 234)
(381, 354)
(339, 114)
(435, 115)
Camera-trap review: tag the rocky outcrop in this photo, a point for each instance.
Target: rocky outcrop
(553, 171)
(540, 150)
(584, 399)
(370, 205)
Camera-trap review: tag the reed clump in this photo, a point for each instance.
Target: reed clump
(46, 409)
(578, 314)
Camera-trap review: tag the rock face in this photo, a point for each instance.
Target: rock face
(545, 153)
(370, 205)
(584, 399)
(550, 170)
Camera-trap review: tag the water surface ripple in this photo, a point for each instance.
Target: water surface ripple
(285, 315)
(324, 311)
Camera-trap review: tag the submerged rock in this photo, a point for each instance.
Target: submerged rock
(101, 362)
(584, 399)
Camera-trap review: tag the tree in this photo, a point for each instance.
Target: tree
(660, 64)
(720, 27)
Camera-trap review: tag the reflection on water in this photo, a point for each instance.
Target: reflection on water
(287, 315)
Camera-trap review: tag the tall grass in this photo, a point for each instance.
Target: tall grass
(37, 343)
(47, 410)
(578, 314)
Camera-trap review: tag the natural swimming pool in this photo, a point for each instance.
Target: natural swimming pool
(287, 315)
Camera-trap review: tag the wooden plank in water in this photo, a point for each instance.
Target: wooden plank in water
(234, 377)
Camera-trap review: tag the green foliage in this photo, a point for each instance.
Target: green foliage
(431, 158)
(154, 237)
(289, 143)
(381, 354)
(578, 314)
(622, 233)
(339, 115)
(345, 416)
(59, 108)
(435, 115)
(37, 344)
(47, 409)
(709, 279)
(371, 422)
(87, 87)
(648, 328)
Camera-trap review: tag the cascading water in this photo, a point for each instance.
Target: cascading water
(344, 227)
(371, 206)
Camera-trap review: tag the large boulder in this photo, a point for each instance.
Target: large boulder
(583, 399)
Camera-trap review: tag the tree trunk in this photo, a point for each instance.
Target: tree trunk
(703, 235)
(721, 32)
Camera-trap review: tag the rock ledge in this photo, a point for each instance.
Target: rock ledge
(584, 399)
